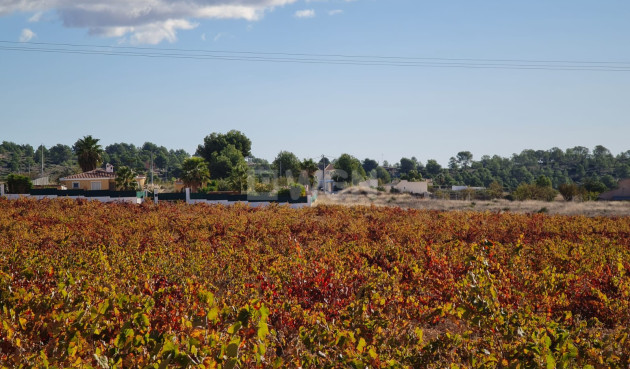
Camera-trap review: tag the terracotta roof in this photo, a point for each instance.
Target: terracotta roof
(330, 167)
(93, 174)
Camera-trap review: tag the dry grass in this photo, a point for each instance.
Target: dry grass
(367, 197)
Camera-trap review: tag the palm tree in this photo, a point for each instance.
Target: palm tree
(309, 167)
(195, 172)
(238, 177)
(126, 179)
(89, 153)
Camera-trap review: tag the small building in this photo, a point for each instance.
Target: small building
(324, 178)
(95, 180)
(462, 188)
(620, 194)
(418, 188)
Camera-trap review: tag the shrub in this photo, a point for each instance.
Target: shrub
(295, 190)
(19, 183)
(568, 191)
(533, 192)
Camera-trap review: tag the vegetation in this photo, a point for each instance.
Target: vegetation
(195, 173)
(19, 183)
(176, 286)
(348, 169)
(88, 152)
(286, 164)
(223, 152)
(590, 172)
(126, 179)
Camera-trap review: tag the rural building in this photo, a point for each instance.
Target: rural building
(418, 188)
(324, 179)
(619, 194)
(95, 180)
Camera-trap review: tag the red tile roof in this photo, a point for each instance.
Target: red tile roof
(93, 174)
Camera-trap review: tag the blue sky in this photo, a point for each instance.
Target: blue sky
(377, 111)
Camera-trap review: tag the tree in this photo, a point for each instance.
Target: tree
(88, 152)
(59, 154)
(495, 190)
(18, 183)
(383, 175)
(407, 165)
(351, 169)
(309, 167)
(238, 178)
(543, 181)
(464, 158)
(568, 191)
(286, 162)
(433, 168)
(369, 165)
(217, 142)
(126, 179)
(221, 163)
(195, 172)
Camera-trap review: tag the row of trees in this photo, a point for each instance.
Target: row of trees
(225, 159)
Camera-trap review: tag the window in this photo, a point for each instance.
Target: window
(95, 186)
(75, 185)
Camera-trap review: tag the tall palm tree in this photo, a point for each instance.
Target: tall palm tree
(195, 172)
(126, 179)
(89, 153)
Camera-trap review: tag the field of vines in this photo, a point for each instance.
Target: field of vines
(92, 285)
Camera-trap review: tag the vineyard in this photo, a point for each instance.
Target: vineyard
(91, 285)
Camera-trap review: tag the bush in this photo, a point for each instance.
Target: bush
(295, 190)
(534, 192)
(568, 191)
(19, 183)
(263, 187)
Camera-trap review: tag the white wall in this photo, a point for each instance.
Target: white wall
(412, 187)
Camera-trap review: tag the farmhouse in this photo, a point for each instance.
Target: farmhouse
(95, 180)
(621, 193)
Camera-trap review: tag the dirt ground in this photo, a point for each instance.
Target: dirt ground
(367, 197)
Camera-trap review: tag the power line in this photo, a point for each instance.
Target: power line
(303, 58)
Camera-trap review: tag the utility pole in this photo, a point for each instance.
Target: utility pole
(151, 169)
(42, 160)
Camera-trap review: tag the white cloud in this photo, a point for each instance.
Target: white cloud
(27, 35)
(36, 17)
(203, 37)
(335, 12)
(306, 13)
(143, 21)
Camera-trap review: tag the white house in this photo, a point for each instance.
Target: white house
(418, 188)
(325, 177)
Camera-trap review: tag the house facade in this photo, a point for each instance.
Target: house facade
(95, 180)
(619, 194)
(418, 188)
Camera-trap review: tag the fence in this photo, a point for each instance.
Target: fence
(228, 199)
(141, 196)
